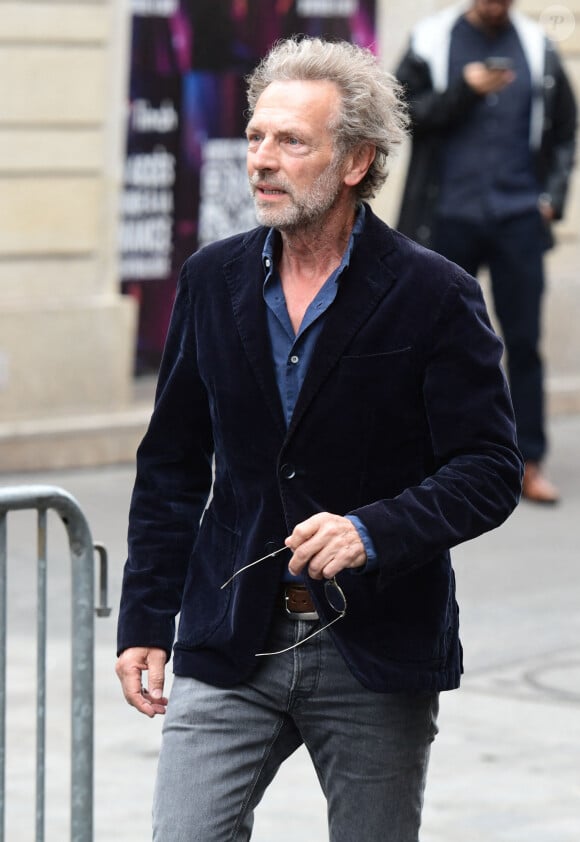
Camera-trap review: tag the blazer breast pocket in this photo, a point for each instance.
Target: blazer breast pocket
(387, 387)
(387, 369)
(392, 357)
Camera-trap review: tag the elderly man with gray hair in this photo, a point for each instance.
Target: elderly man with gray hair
(331, 417)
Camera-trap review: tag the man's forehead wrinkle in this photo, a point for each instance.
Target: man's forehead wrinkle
(278, 128)
(279, 125)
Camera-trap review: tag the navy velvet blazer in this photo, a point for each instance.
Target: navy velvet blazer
(404, 419)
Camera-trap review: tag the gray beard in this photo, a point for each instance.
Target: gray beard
(305, 210)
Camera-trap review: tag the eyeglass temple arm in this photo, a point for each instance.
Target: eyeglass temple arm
(300, 642)
(252, 563)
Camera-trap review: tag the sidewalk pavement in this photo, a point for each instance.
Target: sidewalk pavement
(504, 766)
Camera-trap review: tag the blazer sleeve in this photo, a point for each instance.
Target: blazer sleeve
(173, 481)
(478, 468)
(430, 110)
(560, 147)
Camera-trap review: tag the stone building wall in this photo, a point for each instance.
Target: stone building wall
(66, 334)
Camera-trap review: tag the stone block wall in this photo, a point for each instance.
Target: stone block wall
(66, 334)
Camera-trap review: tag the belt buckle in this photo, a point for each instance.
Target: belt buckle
(299, 615)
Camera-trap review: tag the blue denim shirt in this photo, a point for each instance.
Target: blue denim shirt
(292, 352)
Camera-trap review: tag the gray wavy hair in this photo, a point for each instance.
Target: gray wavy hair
(372, 111)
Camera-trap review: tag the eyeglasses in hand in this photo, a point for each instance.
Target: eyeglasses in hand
(332, 591)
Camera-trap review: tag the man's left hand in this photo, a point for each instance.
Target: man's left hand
(325, 544)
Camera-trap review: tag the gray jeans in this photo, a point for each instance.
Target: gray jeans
(222, 747)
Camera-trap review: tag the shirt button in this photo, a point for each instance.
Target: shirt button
(294, 359)
(267, 262)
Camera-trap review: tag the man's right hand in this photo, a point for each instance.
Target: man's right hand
(131, 664)
(485, 81)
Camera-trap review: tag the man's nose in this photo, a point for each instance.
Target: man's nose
(265, 156)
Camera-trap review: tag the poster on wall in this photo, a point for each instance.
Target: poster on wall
(185, 180)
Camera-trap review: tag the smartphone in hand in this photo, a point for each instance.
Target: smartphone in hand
(498, 63)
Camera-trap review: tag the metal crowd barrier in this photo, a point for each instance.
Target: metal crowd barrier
(44, 498)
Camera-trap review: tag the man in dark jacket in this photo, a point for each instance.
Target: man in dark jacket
(494, 124)
(338, 390)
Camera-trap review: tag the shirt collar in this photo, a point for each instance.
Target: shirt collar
(270, 244)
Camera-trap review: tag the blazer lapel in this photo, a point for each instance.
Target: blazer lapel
(245, 279)
(363, 286)
(365, 283)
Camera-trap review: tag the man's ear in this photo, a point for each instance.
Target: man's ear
(358, 163)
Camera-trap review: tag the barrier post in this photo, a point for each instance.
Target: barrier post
(2, 670)
(43, 498)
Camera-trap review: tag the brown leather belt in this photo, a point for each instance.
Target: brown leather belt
(297, 603)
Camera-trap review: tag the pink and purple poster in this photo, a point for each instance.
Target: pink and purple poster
(185, 178)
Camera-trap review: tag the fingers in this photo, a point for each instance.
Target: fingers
(325, 544)
(131, 665)
(547, 211)
(484, 80)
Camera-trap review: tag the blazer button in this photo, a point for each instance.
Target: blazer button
(288, 471)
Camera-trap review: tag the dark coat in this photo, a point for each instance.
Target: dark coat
(404, 419)
(435, 114)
